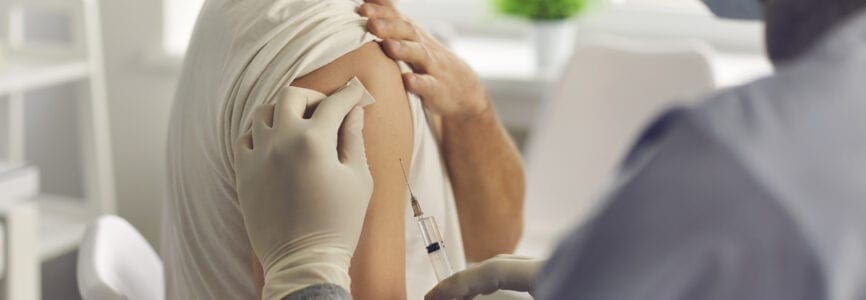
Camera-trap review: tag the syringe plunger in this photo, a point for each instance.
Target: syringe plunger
(433, 241)
(435, 247)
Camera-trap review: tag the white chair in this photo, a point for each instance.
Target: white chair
(608, 92)
(116, 262)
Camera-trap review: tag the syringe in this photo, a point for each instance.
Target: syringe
(433, 241)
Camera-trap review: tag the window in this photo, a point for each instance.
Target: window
(693, 6)
(179, 16)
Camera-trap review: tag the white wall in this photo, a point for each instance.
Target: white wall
(140, 98)
(141, 91)
(52, 138)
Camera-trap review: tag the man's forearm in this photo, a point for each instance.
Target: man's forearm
(482, 160)
(487, 176)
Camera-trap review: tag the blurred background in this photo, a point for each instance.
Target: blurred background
(86, 88)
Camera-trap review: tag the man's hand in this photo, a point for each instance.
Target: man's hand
(445, 83)
(302, 194)
(483, 163)
(503, 272)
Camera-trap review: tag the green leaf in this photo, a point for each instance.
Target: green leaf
(541, 9)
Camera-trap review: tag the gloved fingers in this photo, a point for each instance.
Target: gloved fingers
(244, 143)
(484, 282)
(453, 287)
(263, 120)
(513, 273)
(243, 146)
(466, 284)
(500, 273)
(513, 257)
(352, 150)
(493, 275)
(333, 110)
(413, 53)
(290, 107)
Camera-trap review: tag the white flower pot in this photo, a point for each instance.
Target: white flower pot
(554, 42)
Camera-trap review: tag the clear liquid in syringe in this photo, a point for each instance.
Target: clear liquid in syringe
(433, 241)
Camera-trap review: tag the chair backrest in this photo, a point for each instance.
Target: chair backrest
(116, 262)
(609, 90)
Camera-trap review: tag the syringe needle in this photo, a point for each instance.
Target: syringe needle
(406, 178)
(416, 207)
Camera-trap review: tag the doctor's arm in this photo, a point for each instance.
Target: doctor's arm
(305, 241)
(483, 162)
(378, 266)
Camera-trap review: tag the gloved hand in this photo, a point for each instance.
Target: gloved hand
(503, 272)
(302, 194)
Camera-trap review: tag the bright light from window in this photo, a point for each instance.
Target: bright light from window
(179, 19)
(676, 5)
(180, 16)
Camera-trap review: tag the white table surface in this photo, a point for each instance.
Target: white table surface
(508, 68)
(514, 60)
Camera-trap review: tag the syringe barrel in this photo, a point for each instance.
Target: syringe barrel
(435, 247)
(441, 265)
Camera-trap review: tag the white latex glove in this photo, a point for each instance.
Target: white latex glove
(503, 272)
(302, 194)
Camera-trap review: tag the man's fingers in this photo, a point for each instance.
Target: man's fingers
(393, 29)
(263, 119)
(352, 150)
(374, 10)
(289, 107)
(381, 2)
(424, 85)
(411, 52)
(334, 109)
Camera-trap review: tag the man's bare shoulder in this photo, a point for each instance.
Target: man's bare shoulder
(368, 63)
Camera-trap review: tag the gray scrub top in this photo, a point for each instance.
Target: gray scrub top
(757, 193)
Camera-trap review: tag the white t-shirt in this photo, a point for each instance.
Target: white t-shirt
(241, 54)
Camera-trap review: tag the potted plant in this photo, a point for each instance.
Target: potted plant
(554, 35)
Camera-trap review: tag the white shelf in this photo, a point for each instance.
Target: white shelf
(62, 222)
(23, 71)
(18, 180)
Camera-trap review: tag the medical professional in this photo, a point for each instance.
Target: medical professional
(755, 193)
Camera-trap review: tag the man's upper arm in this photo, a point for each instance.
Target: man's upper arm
(378, 267)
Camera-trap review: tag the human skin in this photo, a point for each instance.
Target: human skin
(378, 265)
(483, 162)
